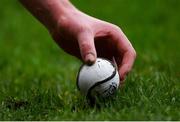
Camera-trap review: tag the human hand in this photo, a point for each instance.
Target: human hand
(87, 38)
(83, 36)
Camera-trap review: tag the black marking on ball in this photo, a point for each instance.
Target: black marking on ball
(77, 80)
(111, 89)
(99, 83)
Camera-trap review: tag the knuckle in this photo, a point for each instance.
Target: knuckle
(84, 29)
(131, 51)
(85, 46)
(128, 69)
(134, 54)
(116, 28)
(64, 22)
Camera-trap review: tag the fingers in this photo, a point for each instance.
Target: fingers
(127, 63)
(87, 47)
(126, 54)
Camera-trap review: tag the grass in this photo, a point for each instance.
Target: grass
(37, 79)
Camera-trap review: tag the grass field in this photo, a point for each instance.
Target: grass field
(37, 79)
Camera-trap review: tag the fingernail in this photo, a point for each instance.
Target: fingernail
(90, 59)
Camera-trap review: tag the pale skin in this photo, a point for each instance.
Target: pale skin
(83, 36)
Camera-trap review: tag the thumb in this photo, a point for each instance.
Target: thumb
(87, 47)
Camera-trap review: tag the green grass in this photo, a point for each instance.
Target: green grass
(37, 79)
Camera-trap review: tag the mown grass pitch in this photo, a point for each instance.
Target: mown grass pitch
(37, 79)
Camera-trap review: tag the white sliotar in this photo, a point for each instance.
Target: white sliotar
(99, 79)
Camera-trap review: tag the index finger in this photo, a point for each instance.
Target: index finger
(125, 55)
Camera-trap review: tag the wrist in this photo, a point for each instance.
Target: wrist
(59, 13)
(49, 12)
